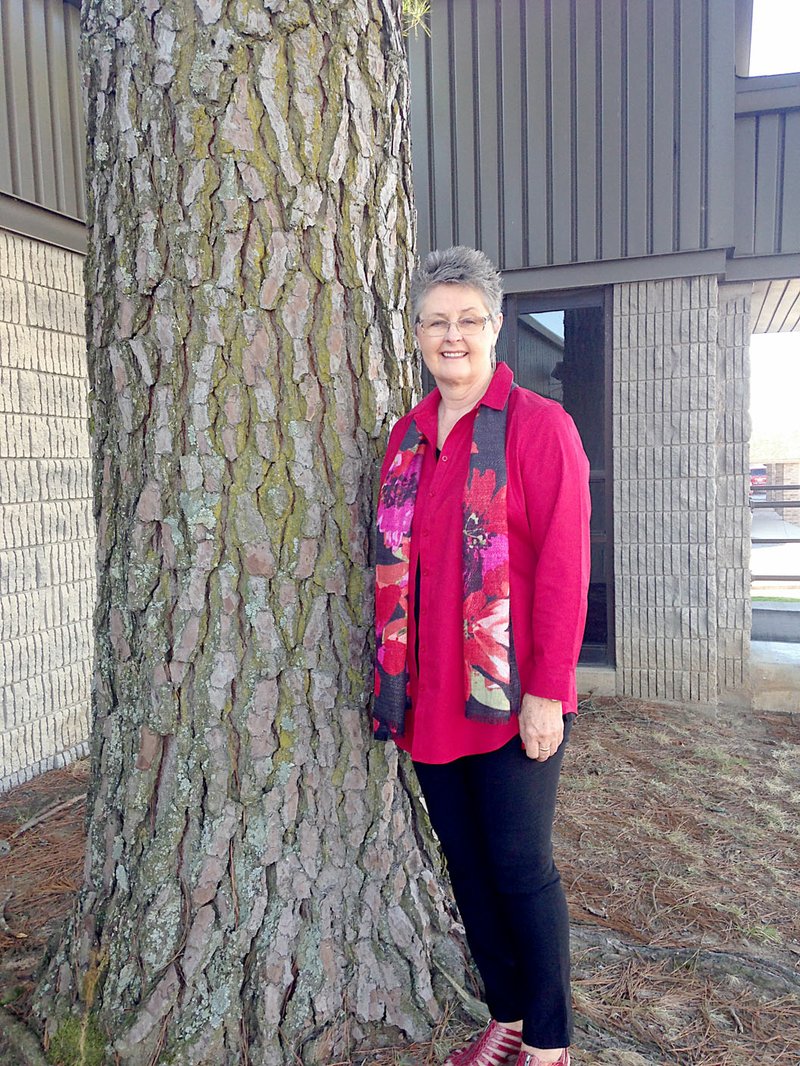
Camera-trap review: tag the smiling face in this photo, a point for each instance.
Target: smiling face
(455, 360)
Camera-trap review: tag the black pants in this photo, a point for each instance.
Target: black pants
(493, 815)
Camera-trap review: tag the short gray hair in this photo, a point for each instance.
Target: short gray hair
(457, 266)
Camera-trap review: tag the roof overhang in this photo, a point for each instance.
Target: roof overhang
(775, 306)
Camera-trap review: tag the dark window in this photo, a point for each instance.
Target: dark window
(557, 345)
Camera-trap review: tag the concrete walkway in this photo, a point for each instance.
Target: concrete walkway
(775, 676)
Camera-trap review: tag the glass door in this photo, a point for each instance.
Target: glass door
(557, 345)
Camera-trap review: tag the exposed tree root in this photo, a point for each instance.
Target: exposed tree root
(57, 808)
(764, 973)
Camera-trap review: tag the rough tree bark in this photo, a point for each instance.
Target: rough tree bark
(258, 887)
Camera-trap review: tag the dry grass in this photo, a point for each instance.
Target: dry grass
(686, 1017)
(676, 829)
(39, 874)
(678, 843)
(677, 832)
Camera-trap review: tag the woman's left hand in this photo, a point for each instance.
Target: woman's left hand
(541, 726)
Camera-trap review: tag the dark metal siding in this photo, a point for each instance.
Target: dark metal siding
(551, 132)
(768, 167)
(41, 124)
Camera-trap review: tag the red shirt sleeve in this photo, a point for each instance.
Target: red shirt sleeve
(555, 483)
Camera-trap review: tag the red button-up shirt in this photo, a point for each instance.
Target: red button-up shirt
(548, 533)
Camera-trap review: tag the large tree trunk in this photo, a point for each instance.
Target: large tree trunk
(258, 885)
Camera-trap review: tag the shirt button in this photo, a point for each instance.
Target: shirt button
(444, 458)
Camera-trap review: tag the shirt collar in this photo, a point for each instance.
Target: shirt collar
(496, 396)
(426, 415)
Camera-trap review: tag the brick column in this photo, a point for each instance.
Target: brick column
(734, 616)
(47, 578)
(665, 454)
(788, 473)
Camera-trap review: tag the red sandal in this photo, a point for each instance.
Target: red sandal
(495, 1046)
(527, 1058)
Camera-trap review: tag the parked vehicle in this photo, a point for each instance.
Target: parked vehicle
(758, 478)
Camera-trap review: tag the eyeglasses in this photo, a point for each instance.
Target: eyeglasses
(468, 327)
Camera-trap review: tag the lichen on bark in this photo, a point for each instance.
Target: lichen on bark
(259, 884)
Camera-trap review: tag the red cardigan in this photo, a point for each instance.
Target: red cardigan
(548, 531)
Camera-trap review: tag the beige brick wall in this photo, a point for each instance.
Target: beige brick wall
(734, 614)
(47, 579)
(664, 429)
(786, 473)
(680, 432)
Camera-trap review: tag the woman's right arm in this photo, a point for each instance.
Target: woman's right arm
(556, 485)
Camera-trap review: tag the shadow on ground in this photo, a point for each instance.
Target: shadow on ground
(678, 845)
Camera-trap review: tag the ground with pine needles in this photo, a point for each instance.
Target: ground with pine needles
(678, 844)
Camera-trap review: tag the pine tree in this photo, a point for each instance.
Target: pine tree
(259, 887)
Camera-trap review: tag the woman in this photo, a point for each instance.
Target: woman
(482, 572)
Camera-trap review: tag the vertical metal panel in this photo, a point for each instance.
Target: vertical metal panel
(41, 119)
(767, 181)
(691, 177)
(601, 130)
(72, 31)
(512, 108)
(721, 91)
(637, 127)
(15, 66)
(665, 129)
(421, 133)
(59, 104)
(42, 152)
(768, 148)
(535, 47)
(745, 183)
(68, 138)
(442, 174)
(489, 156)
(789, 237)
(560, 130)
(6, 175)
(611, 128)
(586, 134)
(465, 144)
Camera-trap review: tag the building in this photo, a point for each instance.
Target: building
(640, 198)
(47, 583)
(613, 163)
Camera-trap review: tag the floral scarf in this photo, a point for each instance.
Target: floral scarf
(491, 681)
